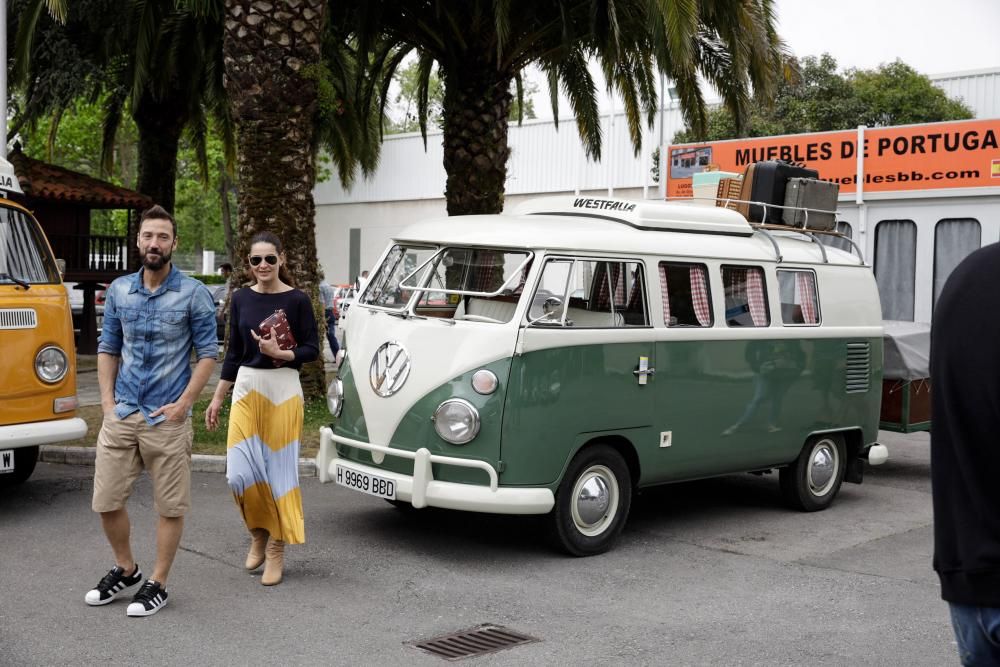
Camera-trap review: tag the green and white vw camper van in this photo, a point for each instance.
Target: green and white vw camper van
(558, 359)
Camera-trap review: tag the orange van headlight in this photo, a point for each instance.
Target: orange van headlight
(51, 364)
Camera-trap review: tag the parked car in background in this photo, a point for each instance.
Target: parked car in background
(76, 305)
(341, 292)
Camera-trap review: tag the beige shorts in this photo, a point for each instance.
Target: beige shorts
(127, 446)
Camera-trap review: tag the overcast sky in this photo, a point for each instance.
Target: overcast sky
(931, 36)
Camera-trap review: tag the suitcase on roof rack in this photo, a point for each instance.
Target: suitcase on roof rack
(815, 195)
(765, 182)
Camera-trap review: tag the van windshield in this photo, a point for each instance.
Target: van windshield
(24, 254)
(449, 282)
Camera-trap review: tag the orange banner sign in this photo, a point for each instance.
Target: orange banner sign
(962, 154)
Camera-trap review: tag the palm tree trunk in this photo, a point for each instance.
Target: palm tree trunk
(476, 108)
(268, 47)
(160, 123)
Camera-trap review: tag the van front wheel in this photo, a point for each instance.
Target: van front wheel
(813, 480)
(592, 502)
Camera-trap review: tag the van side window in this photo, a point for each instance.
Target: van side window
(685, 296)
(593, 293)
(798, 297)
(746, 298)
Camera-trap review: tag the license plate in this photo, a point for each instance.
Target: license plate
(6, 460)
(370, 484)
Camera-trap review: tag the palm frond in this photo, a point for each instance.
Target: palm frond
(424, 68)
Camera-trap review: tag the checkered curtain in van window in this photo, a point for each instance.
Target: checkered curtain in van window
(485, 266)
(755, 297)
(806, 289)
(524, 278)
(699, 295)
(664, 294)
(618, 282)
(635, 294)
(601, 300)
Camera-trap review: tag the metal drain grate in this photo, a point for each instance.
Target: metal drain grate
(484, 639)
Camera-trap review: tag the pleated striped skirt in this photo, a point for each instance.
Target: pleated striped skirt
(262, 456)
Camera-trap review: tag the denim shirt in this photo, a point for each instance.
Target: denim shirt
(153, 333)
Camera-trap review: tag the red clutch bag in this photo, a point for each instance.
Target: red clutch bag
(276, 325)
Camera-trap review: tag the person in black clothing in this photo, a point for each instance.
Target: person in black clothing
(265, 422)
(965, 453)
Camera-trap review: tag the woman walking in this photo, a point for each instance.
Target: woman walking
(265, 421)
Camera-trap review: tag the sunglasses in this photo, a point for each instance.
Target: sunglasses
(255, 260)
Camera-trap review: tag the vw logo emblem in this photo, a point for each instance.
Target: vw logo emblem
(390, 368)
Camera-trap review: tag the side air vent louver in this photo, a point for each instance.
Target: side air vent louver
(858, 370)
(18, 318)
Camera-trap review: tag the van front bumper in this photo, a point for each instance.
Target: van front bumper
(422, 490)
(41, 433)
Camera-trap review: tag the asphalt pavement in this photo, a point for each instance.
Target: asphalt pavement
(709, 573)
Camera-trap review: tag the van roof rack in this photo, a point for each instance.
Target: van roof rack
(764, 226)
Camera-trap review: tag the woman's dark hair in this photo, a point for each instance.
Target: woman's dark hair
(269, 237)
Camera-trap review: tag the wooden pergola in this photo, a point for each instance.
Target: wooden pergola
(61, 200)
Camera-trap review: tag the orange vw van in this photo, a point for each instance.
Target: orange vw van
(38, 361)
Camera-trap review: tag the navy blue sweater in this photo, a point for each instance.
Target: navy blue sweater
(247, 309)
(965, 448)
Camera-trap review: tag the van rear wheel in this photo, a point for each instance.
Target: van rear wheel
(592, 502)
(25, 459)
(813, 480)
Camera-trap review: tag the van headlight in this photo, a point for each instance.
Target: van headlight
(51, 364)
(335, 397)
(456, 421)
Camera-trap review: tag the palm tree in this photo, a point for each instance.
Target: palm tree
(157, 60)
(482, 46)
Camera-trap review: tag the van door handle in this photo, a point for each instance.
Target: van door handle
(647, 371)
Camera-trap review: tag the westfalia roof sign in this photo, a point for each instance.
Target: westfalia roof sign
(963, 154)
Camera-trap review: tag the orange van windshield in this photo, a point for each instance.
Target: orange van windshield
(25, 257)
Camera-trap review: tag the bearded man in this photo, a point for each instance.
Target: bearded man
(152, 320)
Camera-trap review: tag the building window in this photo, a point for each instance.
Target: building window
(954, 240)
(798, 297)
(685, 296)
(895, 267)
(746, 296)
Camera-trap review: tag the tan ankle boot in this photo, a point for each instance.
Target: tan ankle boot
(274, 562)
(258, 541)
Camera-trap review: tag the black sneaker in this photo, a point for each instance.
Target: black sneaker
(149, 600)
(114, 583)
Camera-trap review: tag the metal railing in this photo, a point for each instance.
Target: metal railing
(85, 252)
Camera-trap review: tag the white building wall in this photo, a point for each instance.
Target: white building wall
(409, 183)
(979, 89)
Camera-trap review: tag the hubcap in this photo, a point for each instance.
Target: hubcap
(823, 464)
(595, 500)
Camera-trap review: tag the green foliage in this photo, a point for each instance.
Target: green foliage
(210, 278)
(819, 99)
(408, 96)
(198, 208)
(76, 144)
(316, 414)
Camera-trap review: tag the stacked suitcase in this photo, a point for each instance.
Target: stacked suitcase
(780, 193)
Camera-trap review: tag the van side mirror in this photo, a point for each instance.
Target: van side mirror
(552, 306)
(61, 265)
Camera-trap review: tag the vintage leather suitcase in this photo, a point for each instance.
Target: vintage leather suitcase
(813, 194)
(728, 191)
(765, 182)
